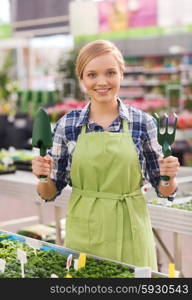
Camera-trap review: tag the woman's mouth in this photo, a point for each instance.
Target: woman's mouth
(102, 91)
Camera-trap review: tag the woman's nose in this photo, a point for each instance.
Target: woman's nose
(101, 80)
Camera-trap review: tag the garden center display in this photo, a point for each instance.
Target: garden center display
(30, 258)
(12, 160)
(6, 168)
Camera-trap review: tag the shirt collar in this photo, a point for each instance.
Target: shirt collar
(84, 114)
(124, 112)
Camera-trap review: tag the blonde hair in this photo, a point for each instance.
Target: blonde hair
(94, 49)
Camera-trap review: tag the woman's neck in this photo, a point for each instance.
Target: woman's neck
(103, 113)
(99, 110)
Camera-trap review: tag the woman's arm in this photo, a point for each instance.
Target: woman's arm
(43, 166)
(47, 190)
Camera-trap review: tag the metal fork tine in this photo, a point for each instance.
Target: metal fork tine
(172, 135)
(175, 123)
(165, 136)
(166, 124)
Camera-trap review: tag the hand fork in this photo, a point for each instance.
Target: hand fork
(166, 139)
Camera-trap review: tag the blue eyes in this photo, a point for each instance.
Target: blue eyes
(108, 74)
(92, 75)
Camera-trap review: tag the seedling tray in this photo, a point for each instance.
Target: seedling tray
(56, 256)
(7, 172)
(23, 165)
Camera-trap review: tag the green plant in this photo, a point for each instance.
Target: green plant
(46, 262)
(184, 206)
(67, 76)
(8, 86)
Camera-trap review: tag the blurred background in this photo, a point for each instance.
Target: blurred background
(39, 42)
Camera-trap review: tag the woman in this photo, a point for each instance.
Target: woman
(105, 151)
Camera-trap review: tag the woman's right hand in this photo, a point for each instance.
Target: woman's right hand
(42, 165)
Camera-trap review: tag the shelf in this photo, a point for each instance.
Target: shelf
(183, 134)
(142, 84)
(154, 74)
(148, 84)
(7, 172)
(140, 70)
(131, 96)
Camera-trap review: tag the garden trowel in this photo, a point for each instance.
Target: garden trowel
(42, 135)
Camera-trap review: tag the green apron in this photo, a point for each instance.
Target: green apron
(107, 213)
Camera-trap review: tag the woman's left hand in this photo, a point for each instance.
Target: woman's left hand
(169, 166)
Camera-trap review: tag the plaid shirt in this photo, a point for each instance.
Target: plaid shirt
(141, 125)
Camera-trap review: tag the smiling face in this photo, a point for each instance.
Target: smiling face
(102, 77)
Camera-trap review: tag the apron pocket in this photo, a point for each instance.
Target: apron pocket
(77, 234)
(96, 233)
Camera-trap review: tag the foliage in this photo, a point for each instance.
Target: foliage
(50, 262)
(163, 202)
(8, 86)
(66, 71)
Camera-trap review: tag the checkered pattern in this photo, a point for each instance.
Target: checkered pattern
(141, 125)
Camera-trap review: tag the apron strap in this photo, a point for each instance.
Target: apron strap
(125, 126)
(83, 129)
(106, 195)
